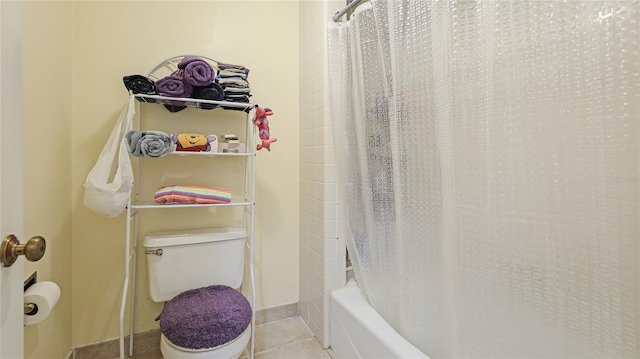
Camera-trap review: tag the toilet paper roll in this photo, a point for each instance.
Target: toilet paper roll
(45, 296)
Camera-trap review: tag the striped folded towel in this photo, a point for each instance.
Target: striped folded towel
(192, 195)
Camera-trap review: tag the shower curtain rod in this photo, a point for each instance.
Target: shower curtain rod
(352, 5)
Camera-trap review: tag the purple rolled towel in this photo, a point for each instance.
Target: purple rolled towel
(174, 86)
(197, 71)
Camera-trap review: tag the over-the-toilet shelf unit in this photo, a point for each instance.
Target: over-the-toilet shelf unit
(137, 204)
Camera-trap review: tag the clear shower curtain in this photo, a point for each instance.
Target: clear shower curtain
(489, 171)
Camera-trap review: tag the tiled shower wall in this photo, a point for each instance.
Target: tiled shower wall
(322, 254)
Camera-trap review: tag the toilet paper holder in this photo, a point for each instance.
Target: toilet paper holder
(30, 308)
(39, 301)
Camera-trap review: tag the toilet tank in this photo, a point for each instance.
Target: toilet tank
(181, 260)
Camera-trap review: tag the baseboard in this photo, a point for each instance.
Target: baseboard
(108, 349)
(150, 341)
(274, 314)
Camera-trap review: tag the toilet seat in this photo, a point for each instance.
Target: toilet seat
(231, 350)
(206, 320)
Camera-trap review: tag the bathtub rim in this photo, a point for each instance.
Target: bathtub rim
(358, 331)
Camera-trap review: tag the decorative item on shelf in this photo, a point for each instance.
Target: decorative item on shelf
(261, 121)
(192, 195)
(233, 143)
(195, 142)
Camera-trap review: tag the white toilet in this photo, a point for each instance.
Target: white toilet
(197, 273)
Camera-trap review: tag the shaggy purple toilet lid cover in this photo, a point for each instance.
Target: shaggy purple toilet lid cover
(205, 317)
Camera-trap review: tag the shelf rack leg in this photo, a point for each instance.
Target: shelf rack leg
(125, 286)
(251, 231)
(133, 283)
(124, 299)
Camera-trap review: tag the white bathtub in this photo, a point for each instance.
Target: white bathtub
(358, 331)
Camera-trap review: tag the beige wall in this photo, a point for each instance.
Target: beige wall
(47, 168)
(77, 53)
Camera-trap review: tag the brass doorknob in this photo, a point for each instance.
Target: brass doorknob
(11, 248)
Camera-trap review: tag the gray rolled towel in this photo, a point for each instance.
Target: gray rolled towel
(149, 143)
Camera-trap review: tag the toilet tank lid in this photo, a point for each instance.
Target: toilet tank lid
(193, 236)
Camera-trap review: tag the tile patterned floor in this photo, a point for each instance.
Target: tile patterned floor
(284, 339)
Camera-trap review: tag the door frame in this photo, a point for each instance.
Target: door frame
(11, 177)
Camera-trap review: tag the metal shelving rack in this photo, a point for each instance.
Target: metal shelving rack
(136, 205)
